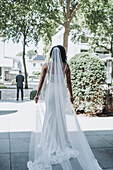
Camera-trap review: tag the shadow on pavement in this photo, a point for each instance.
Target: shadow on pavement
(4, 112)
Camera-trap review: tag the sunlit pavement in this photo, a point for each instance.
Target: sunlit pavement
(17, 122)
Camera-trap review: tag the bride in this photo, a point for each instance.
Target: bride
(58, 140)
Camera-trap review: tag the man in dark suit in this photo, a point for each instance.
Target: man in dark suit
(19, 80)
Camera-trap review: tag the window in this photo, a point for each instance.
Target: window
(34, 64)
(82, 50)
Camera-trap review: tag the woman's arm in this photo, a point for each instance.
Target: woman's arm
(43, 74)
(68, 78)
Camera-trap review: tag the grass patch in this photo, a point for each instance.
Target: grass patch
(4, 87)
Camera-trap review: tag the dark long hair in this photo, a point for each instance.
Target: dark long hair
(63, 53)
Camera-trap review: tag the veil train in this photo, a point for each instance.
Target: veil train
(57, 138)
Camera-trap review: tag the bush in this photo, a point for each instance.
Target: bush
(13, 82)
(36, 75)
(88, 73)
(33, 94)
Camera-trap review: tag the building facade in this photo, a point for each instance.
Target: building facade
(35, 64)
(9, 68)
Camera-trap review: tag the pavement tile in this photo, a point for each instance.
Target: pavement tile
(75, 164)
(108, 138)
(90, 133)
(98, 142)
(19, 161)
(104, 157)
(4, 162)
(20, 145)
(57, 167)
(20, 135)
(4, 145)
(4, 135)
(104, 132)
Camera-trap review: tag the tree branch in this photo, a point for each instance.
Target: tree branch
(52, 16)
(73, 7)
(27, 30)
(68, 9)
(63, 6)
(73, 11)
(55, 19)
(102, 46)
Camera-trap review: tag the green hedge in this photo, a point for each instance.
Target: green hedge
(88, 73)
(33, 94)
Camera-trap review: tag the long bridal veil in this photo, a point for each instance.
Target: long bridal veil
(57, 138)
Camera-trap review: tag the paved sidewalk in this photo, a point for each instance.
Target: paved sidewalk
(14, 149)
(20, 115)
(10, 94)
(17, 122)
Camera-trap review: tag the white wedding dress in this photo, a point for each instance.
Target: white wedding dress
(58, 138)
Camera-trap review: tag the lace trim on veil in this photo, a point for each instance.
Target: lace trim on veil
(45, 161)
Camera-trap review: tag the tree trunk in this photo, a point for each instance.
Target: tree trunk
(111, 51)
(24, 63)
(67, 26)
(66, 35)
